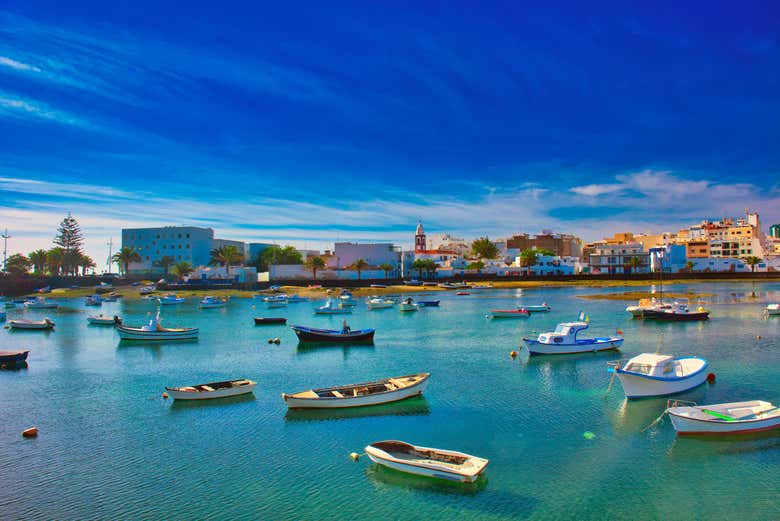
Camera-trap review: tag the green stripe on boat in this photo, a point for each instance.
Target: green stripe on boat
(718, 415)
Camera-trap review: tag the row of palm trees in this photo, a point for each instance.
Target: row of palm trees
(317, 263)
(56, 261)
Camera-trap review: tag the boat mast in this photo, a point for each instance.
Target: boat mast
(5, 237)
(110, 250)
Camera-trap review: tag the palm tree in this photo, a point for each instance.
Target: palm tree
(359, 266)
(225, 256)
(430, 267)
(38, 259)
(54, 260)
(419, 265)
(86, 262)
(313, 264)
(528, 258)
(387, 268)
(689, 266)
(165, 262)
(633, 264)
(752, 261)
(125, 256)
(181, 269)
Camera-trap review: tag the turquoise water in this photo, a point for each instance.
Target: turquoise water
(111, 447)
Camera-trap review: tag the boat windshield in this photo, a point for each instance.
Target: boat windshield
(639, 368)
(561, 329)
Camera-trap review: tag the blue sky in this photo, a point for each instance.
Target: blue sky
(304, 123)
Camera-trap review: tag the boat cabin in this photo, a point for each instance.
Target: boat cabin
(647, 364)
(565, 333)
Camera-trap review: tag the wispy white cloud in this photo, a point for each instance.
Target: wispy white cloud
(596, 189)
(13, 106)
(19, 66)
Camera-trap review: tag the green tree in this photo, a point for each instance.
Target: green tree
(689, 266)
(181, 269)
(752, 261)
(85, 262)
(225, 256)
(18, 264)
(165, 262)
(430, 267)
(477, 265)
(125, 256)
(633, 264)
(359, 266)
(71, 240)
(313, 264)
(277, 255)
(54, 260)
(419, 265)
(484, 248)
(528, 258)
(38, 259)
(387, 268)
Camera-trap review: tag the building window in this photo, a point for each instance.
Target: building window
(188, 235)
(158, 235)
(179, 236)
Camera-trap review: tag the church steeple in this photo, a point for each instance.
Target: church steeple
(419, 239)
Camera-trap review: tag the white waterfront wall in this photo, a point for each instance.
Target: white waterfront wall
(347, 253)
(297, 271)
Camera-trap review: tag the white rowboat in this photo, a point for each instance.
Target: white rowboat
(724, 418)
(358, 395)
(31, 324)
(102, 320)
(154, 331)
(425, 461)
(41, 303)
(212, 390)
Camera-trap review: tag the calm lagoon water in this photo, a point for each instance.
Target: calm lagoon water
(111, 448)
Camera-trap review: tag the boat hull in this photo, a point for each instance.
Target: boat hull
(127, 333)
(262, 321)
(666, 316)
(537, 309)
(431, 469)
(408, 307)
(334, 311)
(383, 305)
(642, 386)
(599, 344)
(324, 335)
(101, 321)
(213, 395)
(356, 401)
(15, 324)
(428, 303)
(686, 426)
(13, 357)
(508, 313)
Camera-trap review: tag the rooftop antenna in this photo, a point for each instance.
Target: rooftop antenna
(5, 237)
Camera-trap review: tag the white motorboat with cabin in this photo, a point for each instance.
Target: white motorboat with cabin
(408, 304)
(333, 309)
(723, 418)
(647, 304)
(31, 324)
(772, 309)
(564, 341)
(379, 303)
(155, 331)
(103, 320)
(212, 390)
(41, 303)
(651, 374)
(170, 299)
(358, 395)
(537, 308)
(426, 461)
(211, 302)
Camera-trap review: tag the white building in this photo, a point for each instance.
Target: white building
(345, 254)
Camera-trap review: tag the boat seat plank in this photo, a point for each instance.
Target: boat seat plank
(337, 394)
(207, 388)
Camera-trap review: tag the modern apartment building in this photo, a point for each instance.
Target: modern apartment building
(612, 259)
(562, 244)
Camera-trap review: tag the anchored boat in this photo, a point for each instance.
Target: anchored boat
(773, 309)
(264, 321)
(426, 461)
(408, 304)
(428, 303)
(40, 303)
(310, 334)
(103, 320)
(11, 358)
(649, 305)
(538, 308)
(379, 303)
(564, 341)
(723, 418)
(651, 374)
(678, 312)
(154, 331)
(509, 313)
(210, 302)
(358, 395)
(330, 309)
(212, 390)
(31, 324)
(170, 299)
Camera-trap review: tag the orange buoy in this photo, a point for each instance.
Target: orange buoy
(711, 378)
(513, 354)
(32, 432)
(165, 396)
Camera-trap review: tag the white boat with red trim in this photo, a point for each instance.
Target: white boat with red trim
(426, 461)
(358, 395)
(723, 418)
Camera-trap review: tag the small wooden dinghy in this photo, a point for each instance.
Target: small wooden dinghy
(310, 334)
(31, 324)
(11, 358)
(723, 418)
(264, 321)
(509, 313)
(155, 331)
(358, 395)
(425, 461)
(103, 320)
(212, 390)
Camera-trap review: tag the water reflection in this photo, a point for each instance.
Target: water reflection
(416, 406)
(309, 348)
(382, 475)
(182, 405)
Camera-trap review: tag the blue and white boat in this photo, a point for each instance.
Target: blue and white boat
(41, 303)
(211, 302)
(652, 374)
(276, 301)
(564, 341)
(346, 299)
(93, 300)
(170, 299)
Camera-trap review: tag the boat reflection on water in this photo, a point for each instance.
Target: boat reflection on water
(415, 406)
(634, 415)
(382, 476)
(701, 447)
(180, 405)
(309, 348)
